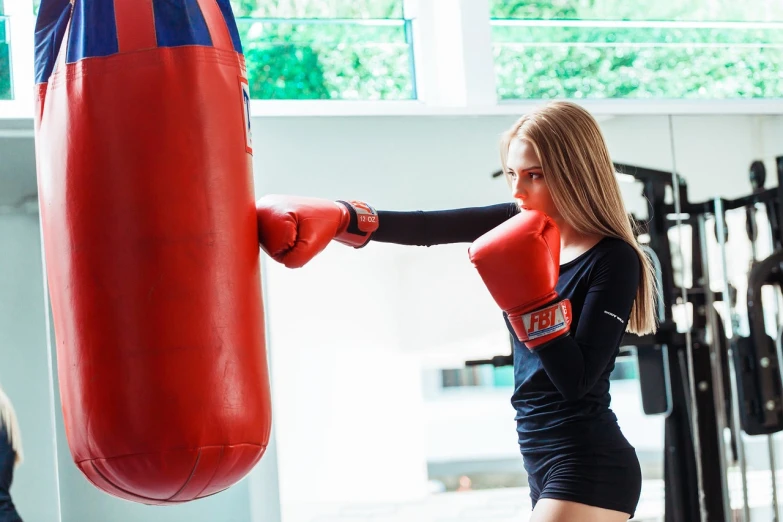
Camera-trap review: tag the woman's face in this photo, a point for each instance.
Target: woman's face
(528, 186)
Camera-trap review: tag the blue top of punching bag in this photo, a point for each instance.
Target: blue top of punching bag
(94, 31)
(49, 30)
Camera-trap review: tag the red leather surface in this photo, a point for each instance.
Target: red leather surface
(150, 236)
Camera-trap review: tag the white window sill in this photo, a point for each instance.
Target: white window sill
(335, 108)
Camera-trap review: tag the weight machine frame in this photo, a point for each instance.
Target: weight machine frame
(709, 341)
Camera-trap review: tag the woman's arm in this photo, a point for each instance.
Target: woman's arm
(575, 362)
(427, 228)
(294, 229)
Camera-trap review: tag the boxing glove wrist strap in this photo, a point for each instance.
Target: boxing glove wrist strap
(362, 223)
(540, 326)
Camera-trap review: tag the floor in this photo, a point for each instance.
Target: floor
(513, 505)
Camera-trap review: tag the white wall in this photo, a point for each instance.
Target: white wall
(712, 153)
(771, 143)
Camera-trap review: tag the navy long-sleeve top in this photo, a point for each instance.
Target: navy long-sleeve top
(8, 511)
(561, 390)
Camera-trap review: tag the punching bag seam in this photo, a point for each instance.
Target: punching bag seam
(193, 472)
(214, 471)
(124, 455)
(129, 493)
(144, 500)
(141, 59)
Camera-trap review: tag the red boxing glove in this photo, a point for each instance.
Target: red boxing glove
(519, 262)
(293, 230)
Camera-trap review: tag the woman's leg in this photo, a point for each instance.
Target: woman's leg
(552, 510)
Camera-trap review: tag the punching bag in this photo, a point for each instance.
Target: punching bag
(148, 222)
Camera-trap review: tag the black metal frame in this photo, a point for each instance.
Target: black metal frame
(682, 495)
(680, 476)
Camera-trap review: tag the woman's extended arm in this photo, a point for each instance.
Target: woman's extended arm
(438, 227)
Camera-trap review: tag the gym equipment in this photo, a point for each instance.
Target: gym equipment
(729, 300)
(150, 240)
(693, 412)
(763, 412)
(652, 359)
(716, 369)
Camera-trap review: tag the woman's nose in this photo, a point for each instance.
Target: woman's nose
(518, 188)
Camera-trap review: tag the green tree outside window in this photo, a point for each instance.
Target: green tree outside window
(317, 50)
(687, 61)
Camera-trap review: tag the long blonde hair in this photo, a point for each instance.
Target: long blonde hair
(581, 178)
(8, 420)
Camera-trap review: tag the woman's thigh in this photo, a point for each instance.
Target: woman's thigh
(553, 510)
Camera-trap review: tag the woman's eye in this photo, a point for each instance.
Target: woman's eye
(535, 175)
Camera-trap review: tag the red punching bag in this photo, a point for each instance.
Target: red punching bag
(149, 230)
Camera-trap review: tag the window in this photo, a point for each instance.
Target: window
(484, 376)
(5, 58)
(705, 49)
(322, 49)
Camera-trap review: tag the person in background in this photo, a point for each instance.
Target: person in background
(10, 457)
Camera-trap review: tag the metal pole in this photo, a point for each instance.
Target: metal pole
(718, 386)
(688, 341)
(720, 226)
(772, 470)
(770, 438)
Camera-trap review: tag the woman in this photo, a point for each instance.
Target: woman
(10, 457)
(568, 224)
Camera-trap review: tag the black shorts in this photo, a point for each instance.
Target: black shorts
(601, 477)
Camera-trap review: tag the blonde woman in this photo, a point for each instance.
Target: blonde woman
(563, 264)
(10, 457)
